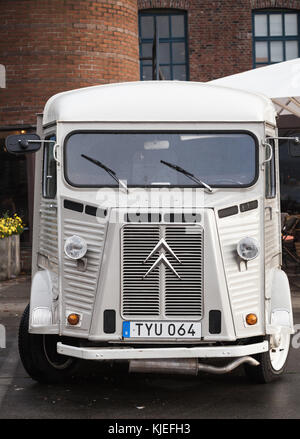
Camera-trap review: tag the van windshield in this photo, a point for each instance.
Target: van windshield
(219, 160)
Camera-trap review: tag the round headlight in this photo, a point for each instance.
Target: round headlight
(75, 247)
(248, 249)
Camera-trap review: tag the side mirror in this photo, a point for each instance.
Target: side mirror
(22, 143)
(294, 147)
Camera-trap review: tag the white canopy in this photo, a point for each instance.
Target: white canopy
(280, 82)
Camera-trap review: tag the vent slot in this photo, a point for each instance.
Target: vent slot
(72, 205)
(228, 211)
(179, 217)
(137, 217)
(249, 206)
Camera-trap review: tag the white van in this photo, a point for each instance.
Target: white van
(157, 235)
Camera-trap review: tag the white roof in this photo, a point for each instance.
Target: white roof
(280, 82)
(165, 101)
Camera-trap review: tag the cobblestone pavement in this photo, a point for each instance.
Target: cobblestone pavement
(14, 294)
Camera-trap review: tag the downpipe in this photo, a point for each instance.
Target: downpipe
(185, 366)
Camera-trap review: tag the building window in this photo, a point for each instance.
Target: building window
(276, 37)
(163, 45)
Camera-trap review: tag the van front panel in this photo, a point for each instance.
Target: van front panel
(167, 268)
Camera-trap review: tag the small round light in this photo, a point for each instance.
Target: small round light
(248, 249)
(251, 319)
(75, 247)
(73, 319)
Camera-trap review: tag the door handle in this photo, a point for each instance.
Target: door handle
(271, 211)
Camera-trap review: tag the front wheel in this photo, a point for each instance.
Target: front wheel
(272, 364)
(39, 355)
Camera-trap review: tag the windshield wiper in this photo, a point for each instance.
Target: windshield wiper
(187, 174)
(108, 170)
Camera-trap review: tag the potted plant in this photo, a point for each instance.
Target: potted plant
(10, 229)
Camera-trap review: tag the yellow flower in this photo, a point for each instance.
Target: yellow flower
(11, 226)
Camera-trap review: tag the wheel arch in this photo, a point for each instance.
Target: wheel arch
(41, 300)
(280, 311)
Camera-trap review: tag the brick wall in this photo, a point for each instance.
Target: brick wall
(286, 4)
(219, 35)
(56, 45)
(220, 38)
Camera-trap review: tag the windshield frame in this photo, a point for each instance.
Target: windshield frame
(168, 131)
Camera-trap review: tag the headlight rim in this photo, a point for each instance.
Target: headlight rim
(255, 243)
(84, 245)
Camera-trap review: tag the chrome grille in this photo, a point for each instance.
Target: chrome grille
(161, 293)
(183, 296)
(140, 296)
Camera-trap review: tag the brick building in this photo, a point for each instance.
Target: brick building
(56, 45)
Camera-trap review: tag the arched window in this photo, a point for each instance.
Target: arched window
(163, 45)
(275, 36)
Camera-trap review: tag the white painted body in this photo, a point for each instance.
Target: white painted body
(234, 288)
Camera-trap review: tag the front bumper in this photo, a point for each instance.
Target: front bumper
(129, 353)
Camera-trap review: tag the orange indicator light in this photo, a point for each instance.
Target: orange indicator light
(73, 319)
(251, 319)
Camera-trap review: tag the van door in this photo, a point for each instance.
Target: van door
(271, 215)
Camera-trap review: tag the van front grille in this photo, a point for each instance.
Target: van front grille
(140, 296)
(168, 284)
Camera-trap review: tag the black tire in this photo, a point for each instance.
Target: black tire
(265, 373)
(39, 357)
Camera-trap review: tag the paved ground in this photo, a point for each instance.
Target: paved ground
(122, 396)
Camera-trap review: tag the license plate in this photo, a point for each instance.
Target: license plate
(161, 330)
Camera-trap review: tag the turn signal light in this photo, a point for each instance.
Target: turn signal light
(251, 319)
(73, 319)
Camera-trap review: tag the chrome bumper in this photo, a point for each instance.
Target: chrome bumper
(129, 353)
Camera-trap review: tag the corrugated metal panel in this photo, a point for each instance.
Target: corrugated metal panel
(80, 286)
(48, 237)
(244, 285)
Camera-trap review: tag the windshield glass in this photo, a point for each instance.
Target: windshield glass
(227, 159)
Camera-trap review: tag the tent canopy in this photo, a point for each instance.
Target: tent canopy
(280, 82)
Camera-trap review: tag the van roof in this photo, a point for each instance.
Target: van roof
(158, 101)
